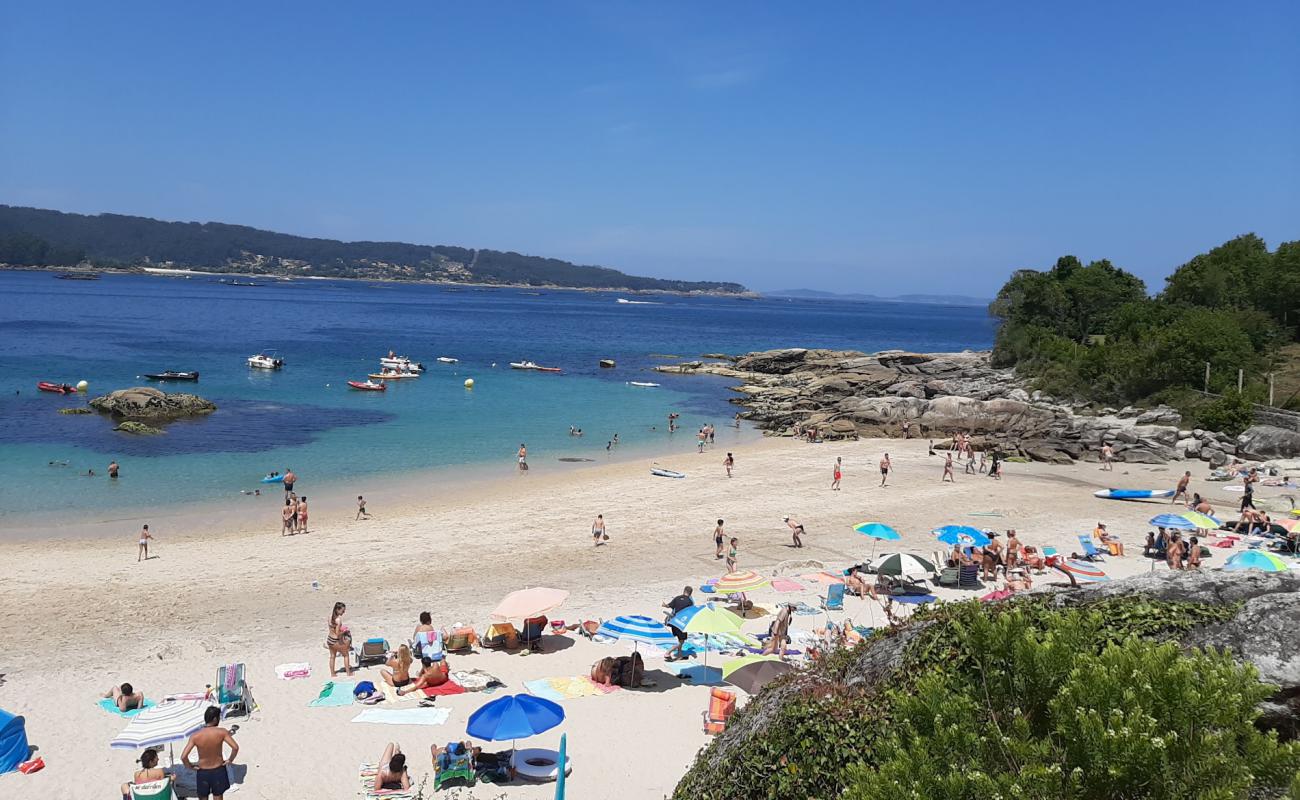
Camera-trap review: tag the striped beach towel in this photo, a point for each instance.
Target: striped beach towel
(367, 781)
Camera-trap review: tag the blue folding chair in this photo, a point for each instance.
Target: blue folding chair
(834, 599)
(1090, 552)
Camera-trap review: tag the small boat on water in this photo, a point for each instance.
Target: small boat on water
(172, 375)
(641, 383)
(368, 386)
(533, 366)
(1132, 494)
(401, 363)
(607, 363)
(267, 359)
(666, 473)
(77, 276)
(392, 375)
(56, 388)
(624, 301)
(448, 360)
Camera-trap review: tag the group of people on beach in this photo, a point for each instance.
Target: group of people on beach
(293, 516)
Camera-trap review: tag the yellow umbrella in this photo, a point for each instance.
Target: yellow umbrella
(743, 581)
(1201, 521)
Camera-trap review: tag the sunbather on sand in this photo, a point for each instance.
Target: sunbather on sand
(392, 774)
(602, 671)
(620, 671)
(1018, 580)
(125, 697)
(435, 673)
(855, 583)
(442, 755)
(149, 771)
(398, 673)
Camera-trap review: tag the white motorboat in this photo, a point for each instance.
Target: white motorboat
(267, 359)
(448, 360)
(641, 383)
(523, 365)
(401, 363)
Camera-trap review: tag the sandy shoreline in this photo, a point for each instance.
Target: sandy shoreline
(85, 615)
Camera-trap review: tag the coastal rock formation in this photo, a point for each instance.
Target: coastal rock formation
(138, 428)
(1267, 441)
(146, 404)
(846, 394)
(73, 411)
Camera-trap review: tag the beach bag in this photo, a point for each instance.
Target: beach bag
(363, 689)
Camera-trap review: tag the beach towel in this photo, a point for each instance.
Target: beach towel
(476, 680)
(404, 716)
(288, 672)
(334, 693)
(696, 673)
(786, 585)
(914, 599)
(804, 610)
(368, 786)
(822, 577)
(111, 707)
(450, 687)
(561, 689)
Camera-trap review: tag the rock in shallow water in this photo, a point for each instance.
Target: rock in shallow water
(152, 405)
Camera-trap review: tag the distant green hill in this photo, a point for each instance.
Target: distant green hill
(39, 237)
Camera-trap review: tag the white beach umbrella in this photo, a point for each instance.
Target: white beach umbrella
(162, 724)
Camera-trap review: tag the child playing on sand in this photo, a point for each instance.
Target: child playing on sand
(145, 536)
(837, 474)
(361, 508)
(728, 463)
(731, 554)
(598, 530)
(718, 537)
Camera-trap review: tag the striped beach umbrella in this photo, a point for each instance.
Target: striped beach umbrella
(1201, 521)
(1083, 571)
(1175, 521)
(636, 628)
(963, 535)
(745, 580)
(1256, 559)
(707, 619)
(161, 724)
(908, 564)
(1288, 525)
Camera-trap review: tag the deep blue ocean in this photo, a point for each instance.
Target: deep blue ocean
(109, 332)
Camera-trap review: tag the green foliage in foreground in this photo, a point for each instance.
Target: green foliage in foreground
(975, 665)
(1091, 332)
(1042, 715)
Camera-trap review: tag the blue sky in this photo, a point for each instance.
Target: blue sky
(880, 147)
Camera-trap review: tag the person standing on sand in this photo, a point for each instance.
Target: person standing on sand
(1181, 490)
(361, 508)
(211, 740)
(145, 536)
(287, 516)
(796, 531)
(885, 466)
(837, 474)
(947, 469)
(523, 457)
(338, 639)
(302, 515)
(731, 554)
(112, 469)
(907, 429)
(1174, 551)
(735, 423)
(719, 536)
(700, 438)
(728, 463)
(598, 530)
(289, 479)
(676, 606)
(1107, 456)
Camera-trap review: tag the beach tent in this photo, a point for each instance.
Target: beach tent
(13, 742)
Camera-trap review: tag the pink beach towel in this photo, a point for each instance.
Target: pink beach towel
(786, 585)
(450, 687)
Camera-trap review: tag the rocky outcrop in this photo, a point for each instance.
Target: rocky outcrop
(146, 404)
(1267, 441)
(73, 411)
(846, 394)
(138, 428)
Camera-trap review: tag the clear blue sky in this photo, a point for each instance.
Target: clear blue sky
(882, 147)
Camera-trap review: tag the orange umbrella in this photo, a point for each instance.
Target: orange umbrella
(745, 580)
(527, 603)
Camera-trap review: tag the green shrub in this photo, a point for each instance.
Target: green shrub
(1039, 713)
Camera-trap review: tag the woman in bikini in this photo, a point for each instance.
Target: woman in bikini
(398, 673)
(731, 555)
(392, 774)
(149, 771)
(339, 640)
(286, 517)
(302, 515)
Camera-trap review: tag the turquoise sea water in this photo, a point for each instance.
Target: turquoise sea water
(111, 331)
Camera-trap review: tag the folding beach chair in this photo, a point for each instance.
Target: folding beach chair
(460, 640)
(153, 790)
(427, 643)
(500, 636)
(531, 636)
(949, 576)
(1090, 552)
(373, 651)
(968, 577)
(834, 599)
(722, 704)
(454, 763)
(232, 692)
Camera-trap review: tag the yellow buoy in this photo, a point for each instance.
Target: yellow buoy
(469, 383)
(82, 386)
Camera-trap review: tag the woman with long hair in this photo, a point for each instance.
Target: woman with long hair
(398, 673)
(339, 640)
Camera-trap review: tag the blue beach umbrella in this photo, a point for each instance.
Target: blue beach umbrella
(963, 535)
(636, 628)
(877, 530)
(1257, 559)
(515, 716)
(1171, 521)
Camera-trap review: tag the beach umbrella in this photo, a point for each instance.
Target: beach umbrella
(907, 564)
(528, 603)
(1082, 571)
(637, 629)
(738, 582)
(707, 619)
(751, 673)
(161, 724)
(1256, 559)
(963, 535)
(1201, 521)
(878, 531)
(1288, 525)
(515, 716)
(1175, 521)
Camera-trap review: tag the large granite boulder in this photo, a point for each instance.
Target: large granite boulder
(147, 404)
(1268, 441)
